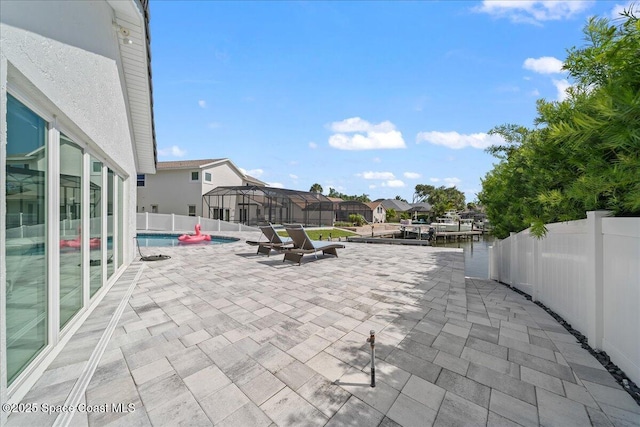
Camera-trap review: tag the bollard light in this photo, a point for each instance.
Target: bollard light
(372, 340)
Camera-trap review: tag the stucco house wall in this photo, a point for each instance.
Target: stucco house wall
(38, 38)
(63, 61)
(379, 212)
(221, 175)
(172, 190)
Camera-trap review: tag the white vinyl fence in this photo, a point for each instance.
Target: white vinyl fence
(587, 271)
(170, 222)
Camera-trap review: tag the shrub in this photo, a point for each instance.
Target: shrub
(357, 219)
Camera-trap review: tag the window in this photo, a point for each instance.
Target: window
(71, 280)
(154, 209)
(207, 177)
(192, 210)
(96, 209)
(108, 258)
(26, 199)
(195, 176)
(51, 182)
(141, 180)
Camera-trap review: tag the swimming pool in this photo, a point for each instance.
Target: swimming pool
(166, 240)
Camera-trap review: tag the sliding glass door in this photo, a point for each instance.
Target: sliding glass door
(26, 198)
(95, 218)
(71, 157)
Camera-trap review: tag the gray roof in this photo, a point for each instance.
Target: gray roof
(421, 207)
(397, 205)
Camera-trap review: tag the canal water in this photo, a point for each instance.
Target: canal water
(476, 255)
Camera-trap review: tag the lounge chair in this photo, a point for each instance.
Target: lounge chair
(274, 241)
(302, 245)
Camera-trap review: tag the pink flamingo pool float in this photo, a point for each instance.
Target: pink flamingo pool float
(194, 238)
(94, 243)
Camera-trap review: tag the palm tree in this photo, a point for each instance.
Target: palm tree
(316, 188)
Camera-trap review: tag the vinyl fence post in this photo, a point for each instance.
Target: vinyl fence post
(594, 278)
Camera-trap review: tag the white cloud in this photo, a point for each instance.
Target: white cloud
(376, 175)
(173, 151)
(275, 185)
(376, 160)
(533, 11)
(292, 176)
(372, 186)
(356, 124)
(412, 175)
(457, 141)
(358, 134)
(543, 65)
(313, 145)
(561, 86)
(451, 181)
(202, 103)
(535, 92)
(394, 183)
(256, 173)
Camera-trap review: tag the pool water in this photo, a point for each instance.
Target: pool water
(166, 240)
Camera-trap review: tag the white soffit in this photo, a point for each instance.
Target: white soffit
(134, 56)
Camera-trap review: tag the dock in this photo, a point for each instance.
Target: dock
(389, 241)
(416, 236)
(458, 235)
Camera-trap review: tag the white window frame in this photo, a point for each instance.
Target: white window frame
(191, 176)
(144, 180)
(195, 210)
(210, 177)
(57, 337)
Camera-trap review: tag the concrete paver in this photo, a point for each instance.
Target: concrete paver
(218, 335)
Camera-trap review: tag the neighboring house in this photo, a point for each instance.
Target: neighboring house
(378, 212)
(412, 209)
(397, 205)
(371, 211)
(177, 187)
(76, 127)
(259, 205)
(422, 208)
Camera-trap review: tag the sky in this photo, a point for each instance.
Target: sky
(363, 97)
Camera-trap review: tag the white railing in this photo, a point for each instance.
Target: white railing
(587, 271)
(170, 222)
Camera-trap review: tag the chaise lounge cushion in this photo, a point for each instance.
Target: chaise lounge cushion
(302, 244)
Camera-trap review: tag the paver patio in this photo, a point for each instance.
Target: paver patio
(219, 335)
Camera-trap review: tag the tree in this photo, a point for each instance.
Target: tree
(422, 192)
(401, 199)
(441, 199)
(316, 188)
(362, 198)
(585, 153)
(390, 214)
